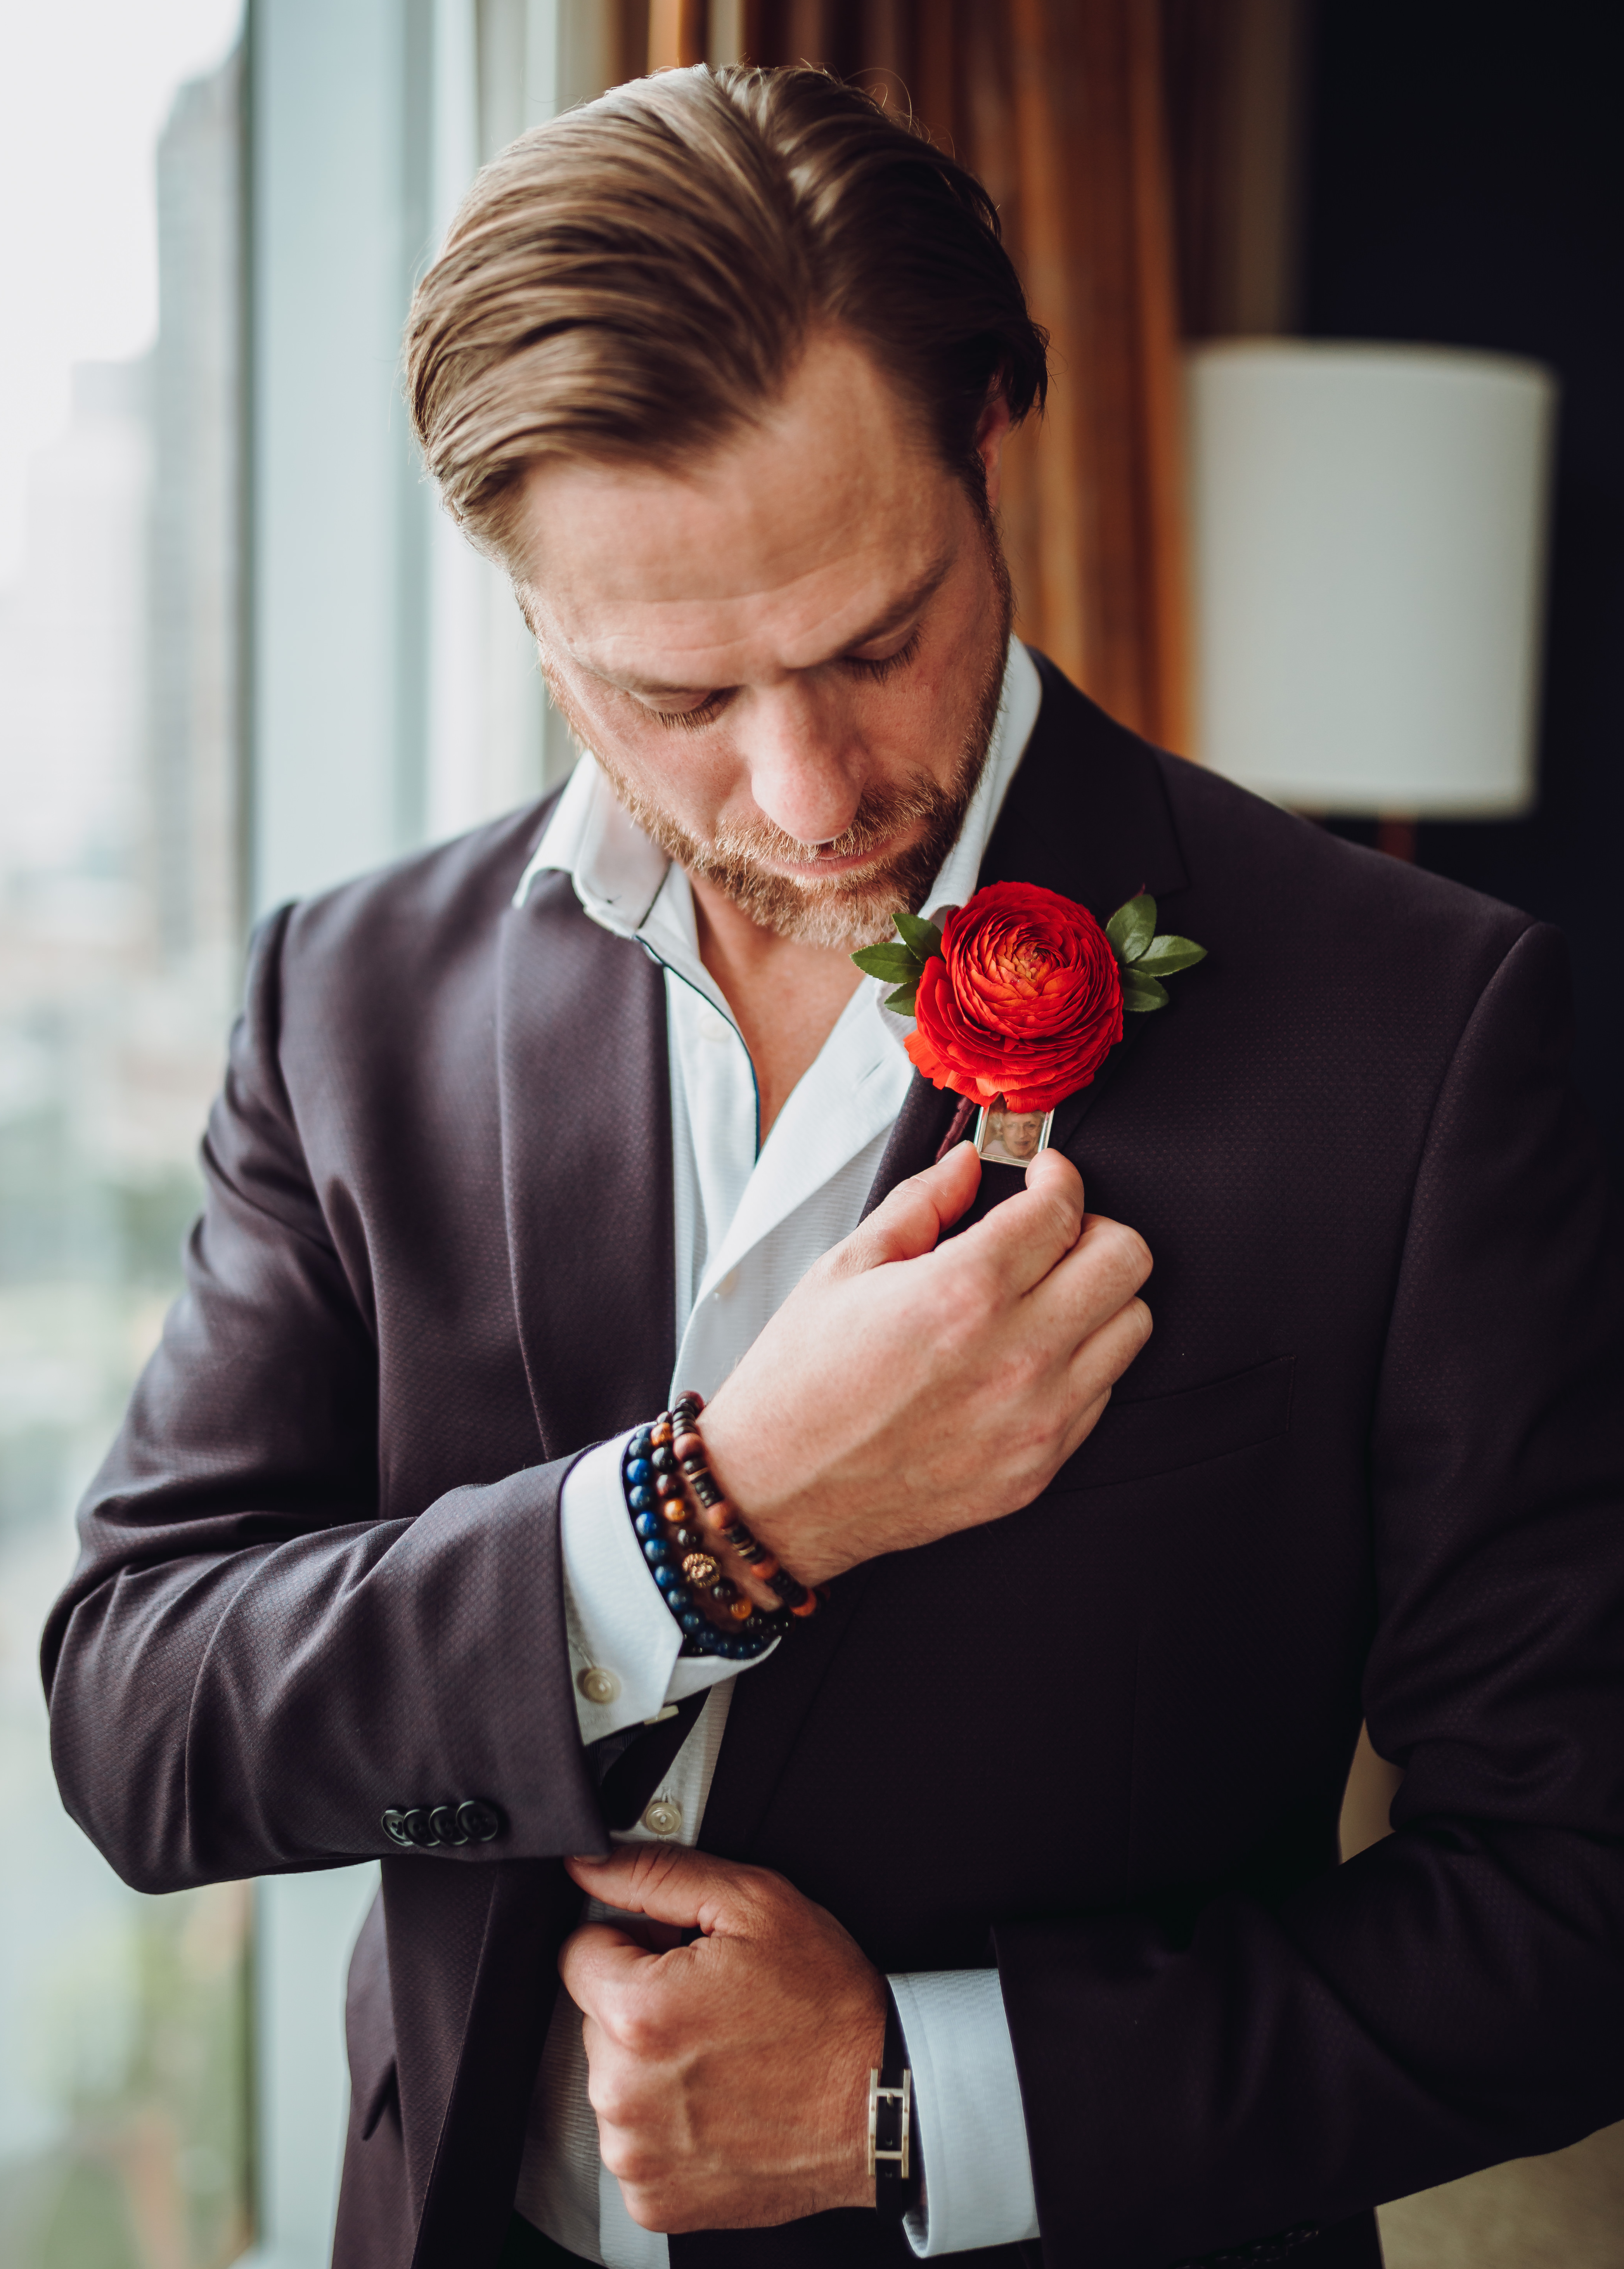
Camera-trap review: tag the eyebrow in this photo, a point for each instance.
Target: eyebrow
(892, 617)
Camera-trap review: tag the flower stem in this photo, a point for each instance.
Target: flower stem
(955, 1132)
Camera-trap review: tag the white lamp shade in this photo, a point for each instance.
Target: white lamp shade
(1369, 552)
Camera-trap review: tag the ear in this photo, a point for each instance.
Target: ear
(993, 428)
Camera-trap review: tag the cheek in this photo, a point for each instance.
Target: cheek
(916, 723)
(691, 777)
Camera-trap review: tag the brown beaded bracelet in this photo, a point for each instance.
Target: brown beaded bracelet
(716, 1617)
(721, 1518)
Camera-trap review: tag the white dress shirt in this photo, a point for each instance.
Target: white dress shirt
(750, 1219)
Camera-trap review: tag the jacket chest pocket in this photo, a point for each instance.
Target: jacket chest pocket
(1162, 1433)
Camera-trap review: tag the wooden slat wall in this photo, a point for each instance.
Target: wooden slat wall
(676, 32)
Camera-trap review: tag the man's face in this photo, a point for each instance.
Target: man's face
(787, 656)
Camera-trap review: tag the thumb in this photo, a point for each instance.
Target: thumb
(911, 1219)
(668, 1883)
(597, 1961)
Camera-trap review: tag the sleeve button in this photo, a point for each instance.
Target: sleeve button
(481, 1822)
(447, 1828)
(419, 1828)
(599, 1685)
(394, 1827)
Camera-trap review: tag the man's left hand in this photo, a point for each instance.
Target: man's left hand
(730, 2076)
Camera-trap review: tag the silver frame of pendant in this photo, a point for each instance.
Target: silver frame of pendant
(1001, 1107)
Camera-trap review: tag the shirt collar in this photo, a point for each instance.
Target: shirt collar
(618, 872)
(1020, 699)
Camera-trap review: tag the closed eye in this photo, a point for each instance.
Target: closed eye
(705, 712)
(695, 719)
(878, 671)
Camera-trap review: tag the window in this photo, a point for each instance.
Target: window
(124, 2086)
(242, 655)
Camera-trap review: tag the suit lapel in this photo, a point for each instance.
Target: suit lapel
(584, 1089)
(1086, 815)
(925, 1117)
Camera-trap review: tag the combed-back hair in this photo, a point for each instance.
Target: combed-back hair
(637, 279)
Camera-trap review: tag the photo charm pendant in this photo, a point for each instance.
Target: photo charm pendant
(1011, 1138)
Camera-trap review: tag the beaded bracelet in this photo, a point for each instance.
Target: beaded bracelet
(721, 1516)
(690, 1579)
(716, 1616)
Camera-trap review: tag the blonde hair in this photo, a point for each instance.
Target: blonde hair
(637, 277)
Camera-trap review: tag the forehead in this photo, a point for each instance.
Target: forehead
(777, 549)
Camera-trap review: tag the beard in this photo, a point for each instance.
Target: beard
(856, 907)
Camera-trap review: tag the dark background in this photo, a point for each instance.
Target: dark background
(1466, 187)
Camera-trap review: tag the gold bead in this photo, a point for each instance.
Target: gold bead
(699, 1568)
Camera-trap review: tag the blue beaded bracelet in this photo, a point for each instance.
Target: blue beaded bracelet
(689, 1577)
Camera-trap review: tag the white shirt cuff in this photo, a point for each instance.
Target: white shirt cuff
(971, 2125)
(624, 1642)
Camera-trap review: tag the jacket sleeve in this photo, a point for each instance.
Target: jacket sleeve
(1454, 1996)
(248, 1666)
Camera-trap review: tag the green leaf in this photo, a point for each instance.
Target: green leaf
(902, 1001)
(895, 964)
(1131, 928)
(1164, 956)
(923, 936)
(1141, 993)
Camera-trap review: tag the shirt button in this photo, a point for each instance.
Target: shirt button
(728, 1286)
(663, 1817)
(718, 1029)
(599, 1685)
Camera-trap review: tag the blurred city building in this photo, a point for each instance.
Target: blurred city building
(193, 703)
(123, 2091)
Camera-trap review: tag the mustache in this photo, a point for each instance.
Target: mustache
(882, 814)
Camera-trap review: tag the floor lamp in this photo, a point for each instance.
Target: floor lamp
(1368, 528)
(1368, 531)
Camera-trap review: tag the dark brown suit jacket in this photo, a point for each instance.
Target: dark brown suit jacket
(1371, 1464)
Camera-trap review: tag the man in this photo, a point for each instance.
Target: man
(721, 367)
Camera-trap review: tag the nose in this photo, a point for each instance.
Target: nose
(806, 768)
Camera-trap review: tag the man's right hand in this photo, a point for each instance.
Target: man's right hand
(907, 1388)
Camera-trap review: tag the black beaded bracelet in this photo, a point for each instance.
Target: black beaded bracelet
(689, 1577)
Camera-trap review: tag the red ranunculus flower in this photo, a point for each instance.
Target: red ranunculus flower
(1023, 999)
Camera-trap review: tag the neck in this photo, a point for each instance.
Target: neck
(786, 996)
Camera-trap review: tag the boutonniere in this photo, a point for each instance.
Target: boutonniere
(1019, 996)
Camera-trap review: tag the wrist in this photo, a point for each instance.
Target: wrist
(893, 2123)
(851, 2182)
(730, 1449)
(759, 1481)
(692, 1534)
(684, 1557)
(756, 1478)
